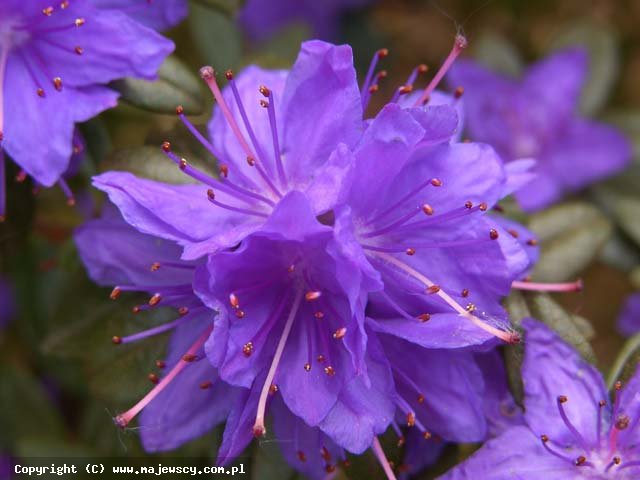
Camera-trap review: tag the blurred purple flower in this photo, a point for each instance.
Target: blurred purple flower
(54, 61)
(262, 18)
(536, 117)
(629, 318)
(156, 14)
(571, 430)
(7, 303)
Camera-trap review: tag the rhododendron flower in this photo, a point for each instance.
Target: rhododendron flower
(317, 245)
(262, 18)
(285, 142)
(54, 63)
(572, 429)
(536, 117)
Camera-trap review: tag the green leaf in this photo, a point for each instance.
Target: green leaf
(26, 408)
(229, 7)
(623, 204)
(216, 36)
(626, 363)
(148, 162)
(498, 54)
(176, 85)
(281, 49)
(571, 235)
(604, 61)
(573, 329)
(269, 464)
(620, 253)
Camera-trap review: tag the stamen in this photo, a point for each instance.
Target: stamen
(614, 461)
(225, 185)
(459, 44)
(545, 440)
(630, 464)
(441, 218)
(411, 250)
(195, 132)
(208, 75)
(258, 427)
(383, 52)
(408, 85)
(402, 220)
(245, 119)
(576, 286)
(271, 109)
(123, 419)
(71, 201)
(153, 331)
(601, 405)
(508, 337)
(435, 182)
(382, 459)
(561, 400)
(212, 198)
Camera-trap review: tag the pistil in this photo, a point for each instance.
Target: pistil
(258, 427)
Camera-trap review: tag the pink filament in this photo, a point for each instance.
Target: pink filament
(382, 459)
(258, 426)
(459, 44)
(123, 419)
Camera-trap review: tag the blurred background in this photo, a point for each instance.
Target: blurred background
(61, 379)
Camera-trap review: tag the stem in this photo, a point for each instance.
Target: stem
(630, 348)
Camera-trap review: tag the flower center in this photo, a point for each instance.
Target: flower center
(605, 457)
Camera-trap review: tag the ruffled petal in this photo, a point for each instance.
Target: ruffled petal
(363, 410)
(321, 107)
(181, 213)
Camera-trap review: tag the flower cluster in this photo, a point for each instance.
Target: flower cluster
(329, 256)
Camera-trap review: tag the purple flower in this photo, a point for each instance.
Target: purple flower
(571, 429)
(422, 227)
(273, 132)
(317, 212)
(156, 14)
(54, 61)
(629, 319)
(262, 18)
(536, 117)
